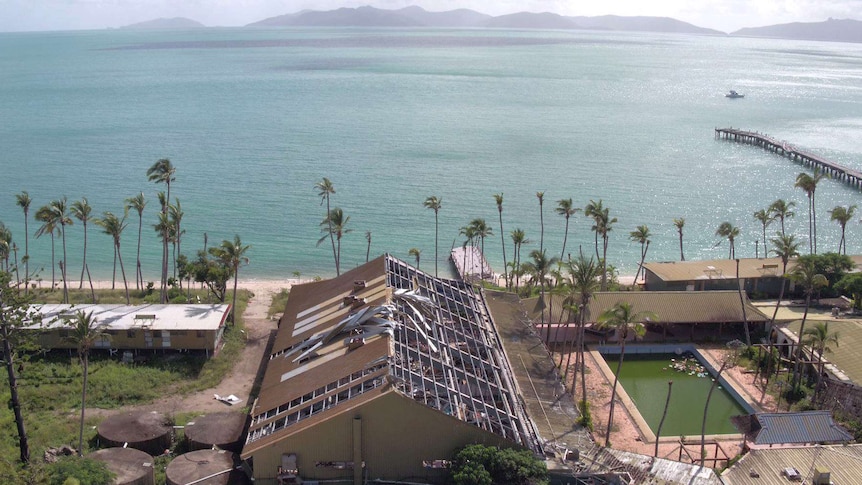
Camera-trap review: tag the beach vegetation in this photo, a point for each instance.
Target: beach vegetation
(278, 302)
(566, 208)
(641, 235)
(49, 225)
(541, 196)
(784, 247)
(81, 209)
(851, 284)
(519, 238)
(232, 255)
(335, 225)
(76, 470)
(602, 226)
(765, 217)
(782, 210)
(23, 201)
(86, 331)
(731, 232)
(114, 226)
(416, 254)
(805, 274)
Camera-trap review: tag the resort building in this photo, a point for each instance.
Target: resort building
(382, 373)
(682, 315)
(758, 275)
(818, 465)
(137, 327)
(781, 429)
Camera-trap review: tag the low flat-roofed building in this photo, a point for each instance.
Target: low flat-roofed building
(759, 275)
(138, 327)
(819, 465)
(382, 373)
(802, 428)
(679, 312)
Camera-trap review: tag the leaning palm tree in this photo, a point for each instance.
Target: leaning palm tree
(731, 232)
(325, 189)
(114, 226)
(539, 268)
(416, 253)
(765, 217)
(641, 235)
(842, 215)
(566, 209)
(498, 198)
(232, 254)
(519, 238)
(49, 226)
(623, 319)
(138, 203)
(808, 184)
(84, 334)
(23, 200)
(782, 210)
(680, 223)
(335, 224)
(805, 274)
(163, 172)
(541, 196)
(434, 203)
(784, 247)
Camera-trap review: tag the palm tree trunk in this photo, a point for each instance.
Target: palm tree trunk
(604, 262)
(542, 228)
(614, 391)
(123, 271)
(663, 415)
(436, 243)
(705, 410)
(565, 237)
(26, 255)
(797, 364)
(84, 361)
(114, 274)
(163, 294)
(681, 254)
(338, 259)
(742, 305)
(139, 276)
(335, 254)
(814, 221)
(503, 243)
(84, 264)
(90, 279)
(15, 402)
(53, 264)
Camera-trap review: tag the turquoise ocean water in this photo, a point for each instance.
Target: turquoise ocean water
(253, 118)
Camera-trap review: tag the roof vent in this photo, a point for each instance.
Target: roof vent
(355, 343)
(358, 285)
(357, 302)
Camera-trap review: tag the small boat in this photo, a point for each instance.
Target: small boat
(733, 95)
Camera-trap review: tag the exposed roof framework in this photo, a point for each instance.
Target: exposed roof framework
(432, 340)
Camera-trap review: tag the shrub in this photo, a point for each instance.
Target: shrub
(82, 471)
(586, 419)
(484, 465)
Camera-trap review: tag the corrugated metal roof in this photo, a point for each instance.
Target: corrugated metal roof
(798, 428)
(721, 306)
(765, 466)
(722, 268)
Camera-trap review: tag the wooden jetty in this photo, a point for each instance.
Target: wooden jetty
(470, 263)
(816, 162)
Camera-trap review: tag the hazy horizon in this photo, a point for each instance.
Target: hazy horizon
(723, 15)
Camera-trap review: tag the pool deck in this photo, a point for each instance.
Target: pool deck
(643, 429)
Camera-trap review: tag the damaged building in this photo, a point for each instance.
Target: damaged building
(382, 374)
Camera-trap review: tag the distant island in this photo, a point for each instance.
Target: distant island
(464, 18)
(831, 30)
(162, 23)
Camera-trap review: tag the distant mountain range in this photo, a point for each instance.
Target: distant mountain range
(174, 23)
(830, 30)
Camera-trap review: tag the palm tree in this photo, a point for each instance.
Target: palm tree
(176, 213)
(325, 189)
(593, 210)
(566, 209)
(602, 225)
(519, 238)
(805, 274)
(481, 229)
(163, 172)
(49, 226)
(663, 416)
(541, 196)
(784, 247)
(782, 210)
(434, 203)
(498, 198)
(5, 246)
(335, 225)
(84, 334)
(114, 226)
(842, 215)
(416, 253)
(765, 217)
(641, 235)
(138, 203)
(623, 319)
(367, 248)
(23, 200)
(731, 232)
(81, 210)
(584, 279)
(819, 338)
(808, 184)
(715, 382)
(539, 268)
(232, 254)
(469, 233)
(61, 216)
(680, 223)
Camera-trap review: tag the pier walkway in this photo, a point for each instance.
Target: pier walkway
(470, 264)
(834, 170)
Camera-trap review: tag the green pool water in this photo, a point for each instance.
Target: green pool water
(645, 378)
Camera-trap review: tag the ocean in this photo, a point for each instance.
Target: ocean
(253, 118)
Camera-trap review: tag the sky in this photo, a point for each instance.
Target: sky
(723, 15)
